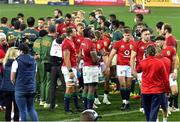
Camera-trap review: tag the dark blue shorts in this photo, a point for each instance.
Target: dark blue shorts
(164, 102)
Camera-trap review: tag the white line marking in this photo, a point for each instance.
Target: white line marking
(107, 115)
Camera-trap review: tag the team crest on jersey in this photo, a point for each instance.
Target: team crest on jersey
(83, 44)
(78, 40)
(98, 46)
(168, 53)
(142, 47)
(105, 44)
(122, 46)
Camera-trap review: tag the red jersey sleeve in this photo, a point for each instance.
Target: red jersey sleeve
(58, 29)
(134, 46)
(92, 46)
(2, 54)
(106, 42)
(173, 52)
(171, 41)
(139, 68)
(66, 46)
(165, 79)
(116, 45)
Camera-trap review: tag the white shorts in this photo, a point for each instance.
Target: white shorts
(172, 82)
(101, 70)
(90, 74)
(67, 78)
(124, 70)
(81, 64)
(102, 67)
(139, 77)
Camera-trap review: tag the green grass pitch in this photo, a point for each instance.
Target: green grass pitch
(109, 112)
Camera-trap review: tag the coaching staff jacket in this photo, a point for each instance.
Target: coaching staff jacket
(154, 76)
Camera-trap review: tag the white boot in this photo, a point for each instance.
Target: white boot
(164, 119)
(105, 100)
(169, 110)
(142, 110)
(46, 105)
(42, 103)
(96, 101)
(94, 106)
(12, 115)
(157, 120)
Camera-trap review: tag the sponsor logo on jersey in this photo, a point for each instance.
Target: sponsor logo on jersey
(168, 53)
(122, 46)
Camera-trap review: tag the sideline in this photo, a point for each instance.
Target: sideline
(107, 115)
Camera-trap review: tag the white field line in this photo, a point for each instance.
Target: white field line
(107, 115)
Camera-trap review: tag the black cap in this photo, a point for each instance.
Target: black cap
(92, 14)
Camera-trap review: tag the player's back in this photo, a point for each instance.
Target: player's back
(153, 73)
(86, 47)
(171, 41)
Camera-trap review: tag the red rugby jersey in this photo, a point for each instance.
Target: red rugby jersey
(167, 64)
(61, 28)
(154, 76)
(99, 45)
(86, 47)
(169, 52)
(106, 42)
(2, 55)
(139, 47)
(123, 52)
(77, 41)
(68, 44)
(171, 41)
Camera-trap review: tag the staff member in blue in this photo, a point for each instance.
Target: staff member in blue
(23, 76)
(7, 86)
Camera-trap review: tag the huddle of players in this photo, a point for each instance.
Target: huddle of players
(67, 41)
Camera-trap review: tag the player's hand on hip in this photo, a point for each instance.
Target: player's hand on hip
(174, 76)
(134, 73)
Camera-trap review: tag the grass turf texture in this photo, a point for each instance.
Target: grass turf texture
(109, 112)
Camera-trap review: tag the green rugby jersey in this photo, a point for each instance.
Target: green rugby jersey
(5, 30)
(45, 48)
(13, 36)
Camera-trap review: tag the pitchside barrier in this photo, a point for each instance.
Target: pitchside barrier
(101, 2)
(145, 3)
(157, 3)
(52, 2)
(79, 2)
